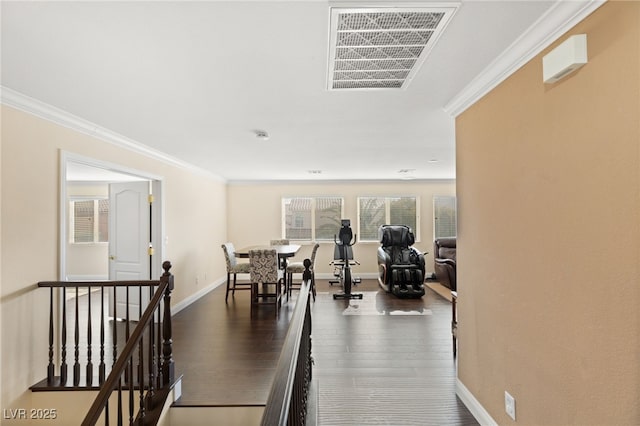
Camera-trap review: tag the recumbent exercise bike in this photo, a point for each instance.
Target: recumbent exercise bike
(342, 261)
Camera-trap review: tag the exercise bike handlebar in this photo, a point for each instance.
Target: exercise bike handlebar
(350, 242)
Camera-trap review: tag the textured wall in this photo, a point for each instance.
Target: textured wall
(548, 236)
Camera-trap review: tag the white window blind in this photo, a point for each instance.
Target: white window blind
(376, 211)
(311, 218)
(89, 221)
(444, 217)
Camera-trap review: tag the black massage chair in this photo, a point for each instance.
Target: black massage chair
(401, 267)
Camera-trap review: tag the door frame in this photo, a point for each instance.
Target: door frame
(157, 208)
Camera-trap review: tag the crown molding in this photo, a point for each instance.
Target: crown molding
(556, 21)
(17, 100)
(302, 182)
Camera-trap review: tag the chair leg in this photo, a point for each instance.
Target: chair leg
(234, 284)
(254, 293)
(226, 296)
(286, 283)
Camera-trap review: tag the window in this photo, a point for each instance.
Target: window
(311, 218)
(376, 211)
(444, 217)
(89, 221)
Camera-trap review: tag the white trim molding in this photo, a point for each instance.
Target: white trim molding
(474, 406)
(63, 118)
(560, 18)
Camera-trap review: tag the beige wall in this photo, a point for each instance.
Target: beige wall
(194, 223)
(548, 236)
(255, 215)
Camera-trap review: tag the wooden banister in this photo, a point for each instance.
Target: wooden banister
(65, 326)
(140, 360)
(287, 401)
(114, 380)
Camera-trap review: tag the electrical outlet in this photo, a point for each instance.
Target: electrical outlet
(510, 405)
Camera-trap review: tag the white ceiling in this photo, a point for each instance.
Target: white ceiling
(196, 80)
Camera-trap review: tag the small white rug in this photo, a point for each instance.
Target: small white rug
(355, 309)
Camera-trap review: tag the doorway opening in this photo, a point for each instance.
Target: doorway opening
(110, 227)
(90, 198)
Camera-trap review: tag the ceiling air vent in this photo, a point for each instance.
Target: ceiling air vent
(382, 48)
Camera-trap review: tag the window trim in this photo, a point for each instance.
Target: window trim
(387, 199)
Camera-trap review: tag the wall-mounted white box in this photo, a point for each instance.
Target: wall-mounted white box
(564, 59)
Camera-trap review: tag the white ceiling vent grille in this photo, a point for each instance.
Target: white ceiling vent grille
(382, 48)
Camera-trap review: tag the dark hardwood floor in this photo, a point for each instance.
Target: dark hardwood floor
(379, 360)
(227, 353)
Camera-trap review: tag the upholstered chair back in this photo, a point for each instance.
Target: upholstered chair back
(229, 256)
(445, 248)
(263, 266)
(314, 250)
(396, 235)
(282, 242)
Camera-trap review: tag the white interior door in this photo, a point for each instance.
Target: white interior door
(129, 240)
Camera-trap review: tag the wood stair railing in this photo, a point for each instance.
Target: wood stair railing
(288, 399)
(141, 374)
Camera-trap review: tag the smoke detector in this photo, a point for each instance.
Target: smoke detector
(382, 48)
(262, 135)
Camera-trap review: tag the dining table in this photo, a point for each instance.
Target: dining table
(283, 251)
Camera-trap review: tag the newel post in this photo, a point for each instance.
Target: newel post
(168, 367)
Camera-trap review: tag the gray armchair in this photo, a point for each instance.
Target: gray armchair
(445, 261)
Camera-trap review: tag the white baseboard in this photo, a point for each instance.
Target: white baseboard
(474, 406)
(197, 295)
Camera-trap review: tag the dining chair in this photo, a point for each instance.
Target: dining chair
(264, 271)
(298, 268)
(234, 267)
(280, 242)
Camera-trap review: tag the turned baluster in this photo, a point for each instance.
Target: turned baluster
(152, 350)
(101, 368)
(115, 329)
(142, 413)
(76, 347)
(126, 329)
(159, 346)
(51, 366)
(89, 363)
(131, 386)
(63, 361)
